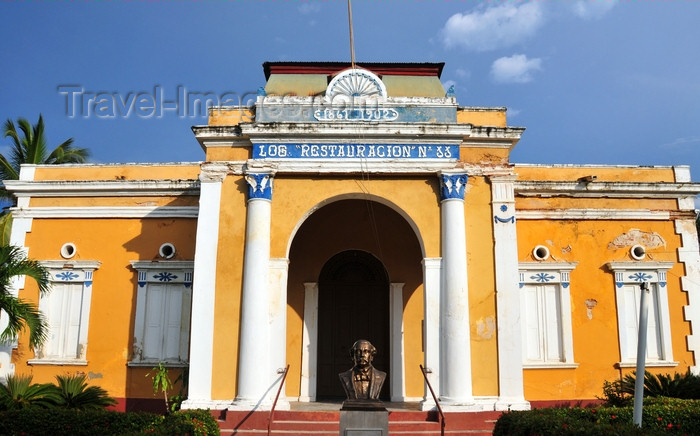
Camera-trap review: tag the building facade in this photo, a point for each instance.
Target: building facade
(353, 203)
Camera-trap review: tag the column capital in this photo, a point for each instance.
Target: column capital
(452, 185)
(259, 185)
(213, 173)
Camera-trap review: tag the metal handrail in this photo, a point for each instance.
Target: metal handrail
(274, 403)
(437, 404)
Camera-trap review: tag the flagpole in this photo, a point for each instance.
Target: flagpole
(352, 40)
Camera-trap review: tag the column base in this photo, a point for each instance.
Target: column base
(206, 404)
(259, 405)
(504, 404)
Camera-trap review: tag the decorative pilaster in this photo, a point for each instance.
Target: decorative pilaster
(254, 347)
(309, 345)
(398, 391)
(510, 356)
(432, 272)
(455, 372)
(689, 255)
(278, 325)
(204, 287)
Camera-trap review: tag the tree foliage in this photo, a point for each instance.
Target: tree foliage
(14, 263)
(74, 393)
(19, 392)
(28, 146)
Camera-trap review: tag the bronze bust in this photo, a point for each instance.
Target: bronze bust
(362, 381)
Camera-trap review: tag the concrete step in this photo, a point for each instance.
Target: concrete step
(327, 423)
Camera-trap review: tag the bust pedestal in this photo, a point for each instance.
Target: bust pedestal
(364, 418)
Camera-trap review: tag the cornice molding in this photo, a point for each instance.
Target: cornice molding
(357, 133)
(162, 264)
(68, 263)
(593, 214)
(107, 212)
(542, 188)
(102, 188)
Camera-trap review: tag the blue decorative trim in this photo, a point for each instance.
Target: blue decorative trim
(88, 284)
(497, 219)
(504, 208)
(521, 284)
(619, 284)
(259, 186)
(542, 277)
(376, 114)
(452, 186)
(641, 277)
(340, 151)
(165, 276)
(662, 284)
(565, 284)
(67, 276)
(142, 284)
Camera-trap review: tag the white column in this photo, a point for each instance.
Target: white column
(254, 353)
(204, 288)
(398, 391)
(309, 345)
(456, 373)
(278, 326)
(510, 356)
(432, 271)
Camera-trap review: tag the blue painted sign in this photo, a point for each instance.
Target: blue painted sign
(355, 151)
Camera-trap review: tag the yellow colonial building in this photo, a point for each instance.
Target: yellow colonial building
(353, 203)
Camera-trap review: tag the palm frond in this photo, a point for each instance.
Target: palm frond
(19, 392)
(74, 393)
(14, 262)
(20, 315)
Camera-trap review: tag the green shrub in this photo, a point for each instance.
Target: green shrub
(71, 422)
(666, 416)
(74, 393)
(187, 422)
(686, 386)
(18, 392)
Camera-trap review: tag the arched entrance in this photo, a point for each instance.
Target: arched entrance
(353, 304)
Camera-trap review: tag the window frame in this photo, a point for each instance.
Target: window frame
(174, 273)
(64, 272)
(549, 273)
(635, 273)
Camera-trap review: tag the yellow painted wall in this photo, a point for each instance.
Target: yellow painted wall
(571, 173)
(481, 276)
(484, 156)
(228, 154)
(114, 242)
(229, 276)
(482, 116)
(118, 172)
(221, 116)
(596, 346)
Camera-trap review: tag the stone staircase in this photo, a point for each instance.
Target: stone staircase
(327, 423)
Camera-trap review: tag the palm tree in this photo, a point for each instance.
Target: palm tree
(14, 263)
(74, 393)
(29, 147)
(18, 392)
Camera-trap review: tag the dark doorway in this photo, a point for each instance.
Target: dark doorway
(353, 303)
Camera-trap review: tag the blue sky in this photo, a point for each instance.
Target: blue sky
(593, 81)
